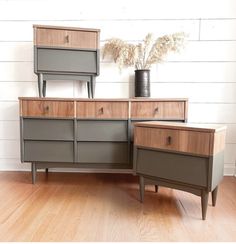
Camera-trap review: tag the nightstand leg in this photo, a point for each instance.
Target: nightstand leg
(156, 188)
(214, 196)
(141, 188)
(89, 89)
(40, 81)
(33, 172)
(44, 88)
(204, 203)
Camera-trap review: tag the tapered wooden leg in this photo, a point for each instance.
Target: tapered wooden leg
(214, 196)
(33, 172)
(46, 170)
(89, 89)
(156, 188)
(44, 88)
(204, 203)
(141, 188)
(40, 81)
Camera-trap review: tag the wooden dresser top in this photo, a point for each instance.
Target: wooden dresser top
(104, 99)
(182, 126)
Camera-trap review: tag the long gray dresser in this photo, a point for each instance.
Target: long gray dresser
(92, 135)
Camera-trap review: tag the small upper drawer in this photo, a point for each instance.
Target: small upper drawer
(160, 110)
(66, 38)
(192, 142)
(47, 108)
(106, 110)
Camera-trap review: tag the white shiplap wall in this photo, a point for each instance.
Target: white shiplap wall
(205, 71)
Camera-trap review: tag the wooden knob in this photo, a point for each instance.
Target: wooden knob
(46, 108)
(101, 111)
(156, 110)
(67, 38)
(169, 139)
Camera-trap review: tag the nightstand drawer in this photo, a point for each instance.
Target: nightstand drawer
(192, 142)
(181, 168)
(158, 110)
(66, 38)
(47, 108)
(103, 110)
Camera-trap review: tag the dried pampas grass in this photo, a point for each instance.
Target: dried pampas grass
(143, 55)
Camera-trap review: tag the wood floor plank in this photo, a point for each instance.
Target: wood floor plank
(106, 207)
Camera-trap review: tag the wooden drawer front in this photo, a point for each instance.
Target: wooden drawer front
(106, 110)
(177, 140)
(195, 142)
(48, 151)
(102, 130)
(158, 110)
(48, 108)
(112, 110)
(171, 166)
(85, 109)
(66, 38)
(103, 152)
(157, 138)
(48, 129)
(58, 60)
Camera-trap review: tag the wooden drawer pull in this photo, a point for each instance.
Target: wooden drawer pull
(101, 111)
(169, 139)
(46, 108)
(156, 110)
(67, 39)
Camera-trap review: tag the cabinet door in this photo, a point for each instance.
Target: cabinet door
(103, 152)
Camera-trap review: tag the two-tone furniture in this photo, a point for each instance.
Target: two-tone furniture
(188, 157)
(92, 135)
(66, 53)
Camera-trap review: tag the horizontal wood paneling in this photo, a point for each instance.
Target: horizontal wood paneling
(218, 29)
(212, 113)
(10, 149)
(9, 110)
(165, 72)
(171, 9)
(9, 130)
(194, 51)
(23, 30)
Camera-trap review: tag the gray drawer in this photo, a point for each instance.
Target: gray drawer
(102, 130)
(48, 129)
(103, 152)
(48, 151)
(170, 166)
(59, 60)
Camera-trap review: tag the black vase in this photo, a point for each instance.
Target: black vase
(142, 83)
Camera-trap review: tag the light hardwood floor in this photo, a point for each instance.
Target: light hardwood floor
(106, 207)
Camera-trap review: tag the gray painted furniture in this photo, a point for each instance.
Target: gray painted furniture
(66, 53)
(188, 157)
(92, 135)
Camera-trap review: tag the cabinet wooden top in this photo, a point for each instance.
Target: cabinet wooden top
(182, 126)
(105, 99)
(65, 28)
